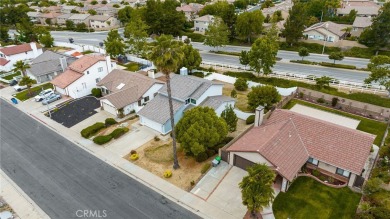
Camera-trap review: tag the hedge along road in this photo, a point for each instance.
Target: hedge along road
(65, 180)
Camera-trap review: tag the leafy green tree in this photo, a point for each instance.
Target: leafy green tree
(69, 25)
(104, 2)
(21, 66)
(74, 11)
(295, 23)
(241, 84)
(217, 34)
(323, 82)
(4, 36)
(94, 2)
(303, 52)
(124, 14)
(116, 6)
(81, 27)
(114, 44)
(256, 188)
(47, 40)
(11, 14)
(277, 16)
(166, 56)
(378, 35)
(200, 129)
(262, 55)
(380, 71)
(233, 93)
(241, 4)
(244, 58)
(230, 118)
(27, 81)
(92, 12)
(48, 21)
(192, 58)
(136, 35)
(249, 24)
(336, 56)
(267, 4)
(266, 96)
(25, 31)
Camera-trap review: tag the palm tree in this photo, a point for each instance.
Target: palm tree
(166, 56)
(21, 66)
(26, 80)
(256, 188)
(347, 31)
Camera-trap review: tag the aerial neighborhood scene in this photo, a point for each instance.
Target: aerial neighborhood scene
(219, 109)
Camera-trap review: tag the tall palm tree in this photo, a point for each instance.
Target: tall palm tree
(166, 56)
(21, 66)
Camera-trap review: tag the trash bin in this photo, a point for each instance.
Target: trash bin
(14, 100)
(214, 163)
(218, 158)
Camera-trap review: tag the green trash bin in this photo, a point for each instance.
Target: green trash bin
(218, 158)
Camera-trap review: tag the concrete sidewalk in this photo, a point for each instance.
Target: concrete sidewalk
(185, 199)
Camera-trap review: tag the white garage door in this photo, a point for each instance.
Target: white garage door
(109, 108)
(151, 124)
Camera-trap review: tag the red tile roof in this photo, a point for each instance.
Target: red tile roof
(65, 79)
(3, 61)
(86, 62)
(288, 139)
(12, 50)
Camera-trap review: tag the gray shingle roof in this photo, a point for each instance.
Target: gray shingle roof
(215, 101)
(158, 109)
(48, 62)
(362, 22)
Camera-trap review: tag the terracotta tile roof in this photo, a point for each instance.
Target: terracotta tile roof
(3, 61)
(86, 62)
(65, 79)
(134, 86)
(12, 50)
(333, 144)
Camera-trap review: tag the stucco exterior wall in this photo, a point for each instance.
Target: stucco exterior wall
(327, 167)
(21, 56)
(178, 115)
(315, 35)
(220, 109)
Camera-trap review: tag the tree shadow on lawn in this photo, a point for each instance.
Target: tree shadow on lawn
(76, 111)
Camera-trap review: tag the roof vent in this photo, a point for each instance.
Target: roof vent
(120, 86)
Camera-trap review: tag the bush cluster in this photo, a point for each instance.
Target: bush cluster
(320, 100)
(241, 84)
(96, 92)
(134, 157)
(93, 129)
(102, 139)
(110, 121)
(328, 64)
(195, 37)
(250, 119)
(119, 132)
(304, 62)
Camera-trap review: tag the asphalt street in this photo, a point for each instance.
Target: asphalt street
(64, 179)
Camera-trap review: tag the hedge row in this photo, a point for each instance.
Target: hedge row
(304, 62)
(106, 138)
(328, 64)
(93, 129)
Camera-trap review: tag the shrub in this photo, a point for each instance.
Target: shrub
(316, 173)
(301, 94)
(133, 152)
(201, 157)
(335, 100)
(320, 100)
(210, 152)
(233, 93)
(91, 130)
(303, 62)
(167, 174)
(156, 138)
(195, 37)
(96, 92)
(118, 132)
(205, 168)
(110, 121)
(102, 139)
(134, 157)
(198, 74)
(328, 64)
(241, 84)
(322, 178)
(372, 186)
(250, 119)
(192, 183)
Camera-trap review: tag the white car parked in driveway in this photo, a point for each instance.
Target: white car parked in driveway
(20, 88)
(43, 94)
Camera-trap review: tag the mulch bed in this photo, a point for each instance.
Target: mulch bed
(76, 111)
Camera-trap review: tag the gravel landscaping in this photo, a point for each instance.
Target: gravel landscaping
(76, 111)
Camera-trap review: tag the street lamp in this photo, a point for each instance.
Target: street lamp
(326, 38)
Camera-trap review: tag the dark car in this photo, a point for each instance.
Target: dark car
(71, 40)
(13, 83)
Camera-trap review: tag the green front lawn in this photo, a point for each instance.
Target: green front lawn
(365, 125)
(307, 198)
(10, 77)
(24, 95)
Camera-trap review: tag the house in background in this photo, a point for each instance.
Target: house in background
(66, 9)
(125, 92)
(202, 23)
(363, 8)
(191, 10)
(80, 18)
(325, 31)
(52, 16)
(187, 92)
(9, 55)
(360, 24)
(61, 20)
(34, 16)
(102, 21)
(289, 141)
(107, 11)
(83, 75)
(48, 65)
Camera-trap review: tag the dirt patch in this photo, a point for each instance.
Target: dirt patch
(242, 96)
(241, 127)
(157, 157)
(109, 129)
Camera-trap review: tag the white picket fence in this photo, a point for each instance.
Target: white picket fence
(80, 47)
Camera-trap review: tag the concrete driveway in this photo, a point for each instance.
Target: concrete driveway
(326, 116)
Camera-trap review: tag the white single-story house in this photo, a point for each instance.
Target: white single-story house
(325, 31)
(187, 92)
(125, 92)
(83, 75)
(360, 24)
(9, 55)
(288, 142)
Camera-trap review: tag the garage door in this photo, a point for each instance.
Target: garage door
(109, 108)
(241, 162)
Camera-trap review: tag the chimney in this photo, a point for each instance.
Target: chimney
(184, 71)
(109, 67)
(151, 73)
(64, 63)
(34, 48)
(259, 115)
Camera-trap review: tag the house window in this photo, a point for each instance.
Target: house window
(312, 161)
(139, 102)
(146, 99)
(193, 101)
(84, 85)
(97, 80)
(100, 69)
(188, 101)
(87, 72)
(342, 172)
